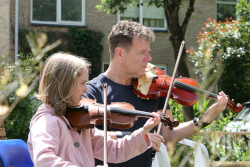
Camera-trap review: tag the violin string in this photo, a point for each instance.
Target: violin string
(141, 113)
(196, 90)
(193, 89)
(128, 111)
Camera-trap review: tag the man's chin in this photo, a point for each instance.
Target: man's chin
(140, 74)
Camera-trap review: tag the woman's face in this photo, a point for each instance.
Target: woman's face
(81, 87)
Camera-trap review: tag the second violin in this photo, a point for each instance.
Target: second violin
(120, 115)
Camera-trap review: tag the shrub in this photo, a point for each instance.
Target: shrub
(17, 124)
(87, 43)
(229, 43)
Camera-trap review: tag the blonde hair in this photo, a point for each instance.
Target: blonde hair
(59, 79)
(123, 32)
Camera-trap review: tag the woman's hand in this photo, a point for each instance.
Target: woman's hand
(156, 140)
(151, 123)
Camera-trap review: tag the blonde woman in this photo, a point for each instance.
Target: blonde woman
(53, 142)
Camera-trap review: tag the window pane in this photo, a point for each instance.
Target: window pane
(225, 11)
(153, 16)
(71, 10)
(44, 10)
(131, 13)
(226, 0)
(106, 66)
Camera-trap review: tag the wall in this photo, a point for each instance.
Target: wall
(161, 50)
(4, 27)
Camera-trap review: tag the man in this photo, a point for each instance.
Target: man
(129, 46)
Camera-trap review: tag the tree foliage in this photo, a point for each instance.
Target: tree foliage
(19, 77)
(229, 42)
(25, 49)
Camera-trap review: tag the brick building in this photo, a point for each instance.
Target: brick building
(5, 28)
(161, 50)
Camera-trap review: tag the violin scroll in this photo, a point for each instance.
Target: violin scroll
(238, 107)
(234, 108)
(168, 122)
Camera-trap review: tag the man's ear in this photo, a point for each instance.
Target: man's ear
(119, 52)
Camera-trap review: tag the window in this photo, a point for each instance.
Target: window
(150, 16)
(63, 12)
(226, 9)
(105, 66)
(162, 67)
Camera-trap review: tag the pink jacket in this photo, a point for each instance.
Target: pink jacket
(51, 143)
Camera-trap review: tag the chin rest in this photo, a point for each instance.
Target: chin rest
(14, 153)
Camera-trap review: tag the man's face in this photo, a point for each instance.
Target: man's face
(136, 60)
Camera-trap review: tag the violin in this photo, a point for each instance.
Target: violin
(120, 115)
(185, 91)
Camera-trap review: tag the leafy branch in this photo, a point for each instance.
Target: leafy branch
(21, 77)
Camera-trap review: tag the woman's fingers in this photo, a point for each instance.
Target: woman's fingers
(156, 140)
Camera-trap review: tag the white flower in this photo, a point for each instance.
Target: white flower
(229, 49)
(243, 52)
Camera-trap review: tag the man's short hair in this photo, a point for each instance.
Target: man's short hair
(123, 32)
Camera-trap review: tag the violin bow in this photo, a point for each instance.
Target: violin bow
(171, 83)
(105, 163)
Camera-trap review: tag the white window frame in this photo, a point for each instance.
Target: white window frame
(228, 3)
(141, 18)
(161, 66)
(58, 16)
(103, 64)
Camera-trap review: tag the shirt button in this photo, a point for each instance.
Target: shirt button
(76, 144)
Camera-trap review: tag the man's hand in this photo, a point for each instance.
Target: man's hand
(156, 140)
(213, 111)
